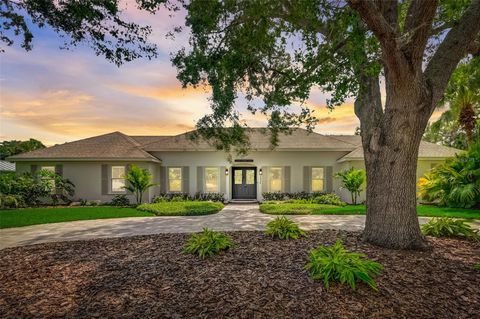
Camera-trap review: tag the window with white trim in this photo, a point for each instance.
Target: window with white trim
(275, 179)
(50, 181)
(318, 179)
(212, 179)
(175, 179)
(118, 179)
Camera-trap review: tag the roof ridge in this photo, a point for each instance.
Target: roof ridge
(135, 143)
(330, 136)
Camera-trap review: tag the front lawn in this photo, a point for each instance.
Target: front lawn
(319, 209)
(259, 277)
(187, 208)
(34, 216)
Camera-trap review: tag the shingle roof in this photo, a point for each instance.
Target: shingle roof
(109, 146)
(117, 145)
(259, 140)
(426, 150)
(7, 166)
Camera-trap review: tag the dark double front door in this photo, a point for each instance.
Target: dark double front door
(244, 183)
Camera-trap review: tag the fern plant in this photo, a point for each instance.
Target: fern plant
(449, 227)
(284, 228)
(207, 243)
(337, 264)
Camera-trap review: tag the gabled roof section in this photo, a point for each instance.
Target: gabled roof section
(112, 146)
(426, 150)
(299, 139)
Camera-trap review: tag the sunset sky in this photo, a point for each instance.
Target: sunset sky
(58, 95)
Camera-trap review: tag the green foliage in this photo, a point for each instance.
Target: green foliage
(11, 201)
(284, 228)
(290, 195)
(449, 227)
(455, 183)
(336, 264)
(457, 126)
(138, 181)
(120, 200)
(99, 24)
(37, 188)
(283, 208)
(477, 266)
(179, 197)
(352, 180)
(328, 199)
(182, 208)
(207, 243)
(10, 148)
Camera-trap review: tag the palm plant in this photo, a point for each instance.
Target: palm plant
(138, 181)
(352, 180)
(455, 183)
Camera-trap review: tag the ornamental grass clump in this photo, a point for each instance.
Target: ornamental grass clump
(335, 263)
(207, 243)
(284, 228)
(449, 227)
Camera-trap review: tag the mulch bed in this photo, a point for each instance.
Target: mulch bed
(149, 276)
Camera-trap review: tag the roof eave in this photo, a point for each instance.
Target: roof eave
(80, 159)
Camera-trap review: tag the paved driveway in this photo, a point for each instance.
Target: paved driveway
(231, 218)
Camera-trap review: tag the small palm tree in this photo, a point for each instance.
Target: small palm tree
(352, 180)
(138, 181)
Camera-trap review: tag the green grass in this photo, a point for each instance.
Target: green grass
(35, 216)
(318, 209)
(187, 208)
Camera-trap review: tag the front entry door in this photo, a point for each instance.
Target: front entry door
(244, 183)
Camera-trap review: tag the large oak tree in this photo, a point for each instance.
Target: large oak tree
(277, 51)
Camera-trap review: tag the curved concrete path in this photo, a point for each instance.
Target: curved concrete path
(232, 218)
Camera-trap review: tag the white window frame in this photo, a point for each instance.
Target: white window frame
(50, 168)
(323, 179)
(282, 178)
(123, 191)
(205, 179)
(181, 179)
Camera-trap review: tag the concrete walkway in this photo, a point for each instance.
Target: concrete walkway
(232, 218)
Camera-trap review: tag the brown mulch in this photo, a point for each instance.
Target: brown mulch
(149, 276)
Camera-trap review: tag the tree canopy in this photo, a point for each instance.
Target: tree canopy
(10, 148)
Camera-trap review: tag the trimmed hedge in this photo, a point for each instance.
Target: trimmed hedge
(185, 208)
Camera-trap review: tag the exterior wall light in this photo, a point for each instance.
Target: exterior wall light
(226, 171)
(260, 172)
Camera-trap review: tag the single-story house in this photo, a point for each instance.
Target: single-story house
(302, 161)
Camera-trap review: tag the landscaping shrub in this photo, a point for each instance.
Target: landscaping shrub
(337, 264)
(276, 196)
(35, 189)
(138, 181)
(352, 180)
(120, 200)
(207, 243)
(328, 199)
(477, 266)
(184, 208)
(180, 197)
(284, 208)
(449, 227)
(455, 183)
(284, 228)
(11, 201)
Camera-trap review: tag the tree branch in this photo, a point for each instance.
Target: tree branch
(418, 25)
(371, 14)
(452, 50)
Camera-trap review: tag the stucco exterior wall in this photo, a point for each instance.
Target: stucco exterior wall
(87, 177)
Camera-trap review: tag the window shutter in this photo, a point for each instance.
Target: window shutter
(185, 179)
(264, 179)
(59, 170)
(328, 179)
(200, 178)
(223, 180)
(286, 179)
(33, 169)
(104, 179)
(307, 178)
(163, 179)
